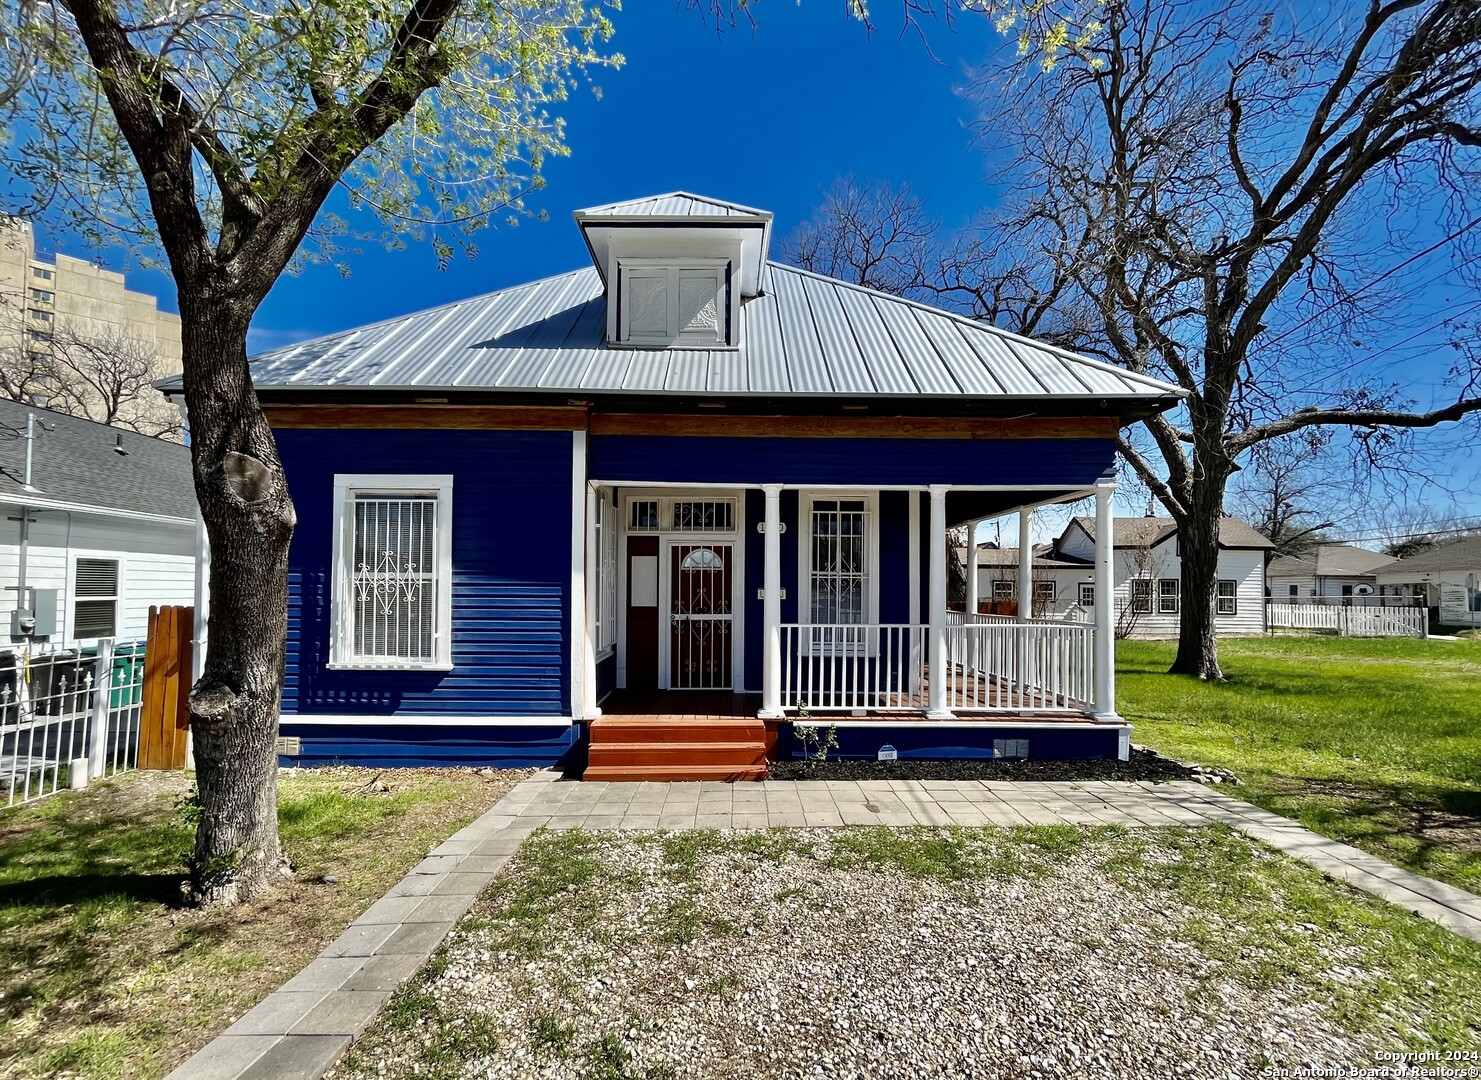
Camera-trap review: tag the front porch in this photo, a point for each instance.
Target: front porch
(847, 612)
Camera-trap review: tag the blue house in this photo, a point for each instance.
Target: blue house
(661, 510)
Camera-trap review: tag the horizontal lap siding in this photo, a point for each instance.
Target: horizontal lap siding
(413, 746)
(510, 584)
(882, 462)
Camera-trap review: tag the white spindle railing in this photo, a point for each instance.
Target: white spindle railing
(997, 664)
(849, 667)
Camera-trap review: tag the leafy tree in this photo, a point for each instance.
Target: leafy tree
(214, 132)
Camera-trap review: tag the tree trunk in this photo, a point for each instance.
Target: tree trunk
(1198, 550)
(249, 520)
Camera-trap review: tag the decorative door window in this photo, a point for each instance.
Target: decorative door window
(701, 621)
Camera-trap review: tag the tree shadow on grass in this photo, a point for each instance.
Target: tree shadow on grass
(58, 889)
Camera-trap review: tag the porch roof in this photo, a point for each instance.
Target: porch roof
(806, 337)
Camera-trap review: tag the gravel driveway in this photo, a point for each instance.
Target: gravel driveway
(863, 953)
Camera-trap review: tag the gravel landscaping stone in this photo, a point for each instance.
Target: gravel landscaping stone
(861, 953)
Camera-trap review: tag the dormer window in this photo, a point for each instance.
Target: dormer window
(675, 304)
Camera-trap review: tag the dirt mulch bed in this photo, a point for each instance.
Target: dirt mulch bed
(1143, 765)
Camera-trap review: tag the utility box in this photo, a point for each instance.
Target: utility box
(44, 607)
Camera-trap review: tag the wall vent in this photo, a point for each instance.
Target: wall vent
(289, 745)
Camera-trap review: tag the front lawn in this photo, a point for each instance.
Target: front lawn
(1376, 742)
(898, 953)
(103, 974)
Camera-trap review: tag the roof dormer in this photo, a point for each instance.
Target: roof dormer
(676, 267)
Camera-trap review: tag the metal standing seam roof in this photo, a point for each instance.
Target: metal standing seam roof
(805, 335)
(674, 204)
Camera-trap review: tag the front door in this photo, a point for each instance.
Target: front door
(701, 617)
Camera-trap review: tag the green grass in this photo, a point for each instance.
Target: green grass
(1375, 742)
(104, 974)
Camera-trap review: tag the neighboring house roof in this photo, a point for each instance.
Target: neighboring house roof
(1138, 532)
(807, 335)
(74, 463)
(1457, 555)
(1044, 559)
(1329, 560)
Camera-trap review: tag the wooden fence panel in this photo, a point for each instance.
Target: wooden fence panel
(165, 719)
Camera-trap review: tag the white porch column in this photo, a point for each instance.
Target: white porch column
(973, 571)
(937, 709)
(771, 607)
(591, 711)
(1104, 705)
(1025, 565)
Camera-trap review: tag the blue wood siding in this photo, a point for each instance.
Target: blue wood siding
(410, 745)
(736, 460)
(511, 573)
(927, 743)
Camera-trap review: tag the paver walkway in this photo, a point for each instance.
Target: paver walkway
(299, 1031)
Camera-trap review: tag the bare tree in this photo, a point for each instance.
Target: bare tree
(1211, 194)
(106, 377)
(1286, 493)
(868, 233)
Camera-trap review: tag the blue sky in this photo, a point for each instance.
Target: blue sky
(769, 118)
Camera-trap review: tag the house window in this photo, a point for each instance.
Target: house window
(393, 587)
(42, 296)
(1141, 595)
(95, 604)
(1473, 594)
(41, 273)
(642, 515)
(1293, 591)
(41, 316)
(667, 306)
(1046, 591)
(1087, 594)
(1167, 596)
(606, 591)
(1228, 598)
(1003, 590)
(704, 515)
(39, 335)
(838, 567)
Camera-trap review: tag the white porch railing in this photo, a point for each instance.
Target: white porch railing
(995, 664)
(849, 667)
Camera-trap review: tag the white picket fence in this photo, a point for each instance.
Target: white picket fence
(65, 719)
(1349, 621)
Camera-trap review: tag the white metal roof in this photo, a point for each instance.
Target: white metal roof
(675, 204)
(806, 335)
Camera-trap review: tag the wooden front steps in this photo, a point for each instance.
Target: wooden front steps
(635, 748)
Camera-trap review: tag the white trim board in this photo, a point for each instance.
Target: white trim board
(102, 511)
(425, 720)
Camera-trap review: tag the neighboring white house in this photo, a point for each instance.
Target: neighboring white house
(1329, 571)
(1148, 576)
(1447, 577)
(105, 529)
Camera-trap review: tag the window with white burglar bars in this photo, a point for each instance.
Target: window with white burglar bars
(394, 571)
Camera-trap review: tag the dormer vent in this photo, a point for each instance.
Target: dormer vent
(675, 268)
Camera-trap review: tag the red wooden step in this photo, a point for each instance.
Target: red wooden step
(742, 754)
(616, 730)
(674, 772)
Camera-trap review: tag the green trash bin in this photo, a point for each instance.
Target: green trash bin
(127, 676)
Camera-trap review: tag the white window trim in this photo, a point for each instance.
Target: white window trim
(1046, 589)
(340, 626)
(1176, 596)
(1080, 596)
(609, 524)
(68, 614)
(1007, 592)
(805, 500)
(1133, 599)
(1233, 598)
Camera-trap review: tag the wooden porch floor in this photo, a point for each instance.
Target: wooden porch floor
(693, 705)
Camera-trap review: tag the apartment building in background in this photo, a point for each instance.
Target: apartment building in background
(47, 301)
